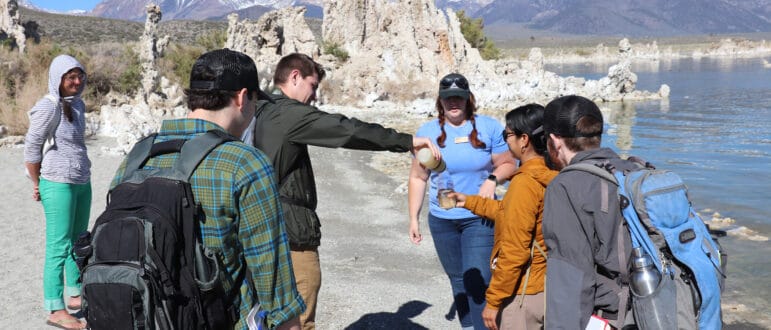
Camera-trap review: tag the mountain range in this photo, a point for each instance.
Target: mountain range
(582, 17)
(632, 17)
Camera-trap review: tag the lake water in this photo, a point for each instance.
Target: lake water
(715, 131)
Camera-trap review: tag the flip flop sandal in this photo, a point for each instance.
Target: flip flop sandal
(62, 324)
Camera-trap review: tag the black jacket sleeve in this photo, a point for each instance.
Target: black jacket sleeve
(323, 129)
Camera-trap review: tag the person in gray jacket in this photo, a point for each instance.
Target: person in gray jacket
(283, 130)
(581, 222)
(61, 178)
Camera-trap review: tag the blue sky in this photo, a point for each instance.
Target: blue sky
(65, 5)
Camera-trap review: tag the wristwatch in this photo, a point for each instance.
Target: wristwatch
(493, 178)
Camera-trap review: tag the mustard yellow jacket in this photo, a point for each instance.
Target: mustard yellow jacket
(517, 222)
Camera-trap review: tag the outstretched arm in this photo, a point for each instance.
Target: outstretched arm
(332, 130)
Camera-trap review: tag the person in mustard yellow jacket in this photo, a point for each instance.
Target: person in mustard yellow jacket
(515, 297)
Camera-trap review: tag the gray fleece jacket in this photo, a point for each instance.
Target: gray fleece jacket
(68, 161)
(581, 222)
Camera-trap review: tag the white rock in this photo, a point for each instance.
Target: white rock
(10, 23)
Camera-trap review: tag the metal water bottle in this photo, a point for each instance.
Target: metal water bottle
(645, 276)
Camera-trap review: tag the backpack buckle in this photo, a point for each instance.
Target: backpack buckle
(623, 202)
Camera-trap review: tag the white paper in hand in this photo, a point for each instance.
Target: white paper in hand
(256, 318)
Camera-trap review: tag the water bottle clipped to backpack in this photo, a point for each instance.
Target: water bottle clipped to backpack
(654, 293)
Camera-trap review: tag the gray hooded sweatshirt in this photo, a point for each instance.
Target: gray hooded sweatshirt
(68, 161)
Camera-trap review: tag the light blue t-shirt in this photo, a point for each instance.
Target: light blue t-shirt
(468, 167)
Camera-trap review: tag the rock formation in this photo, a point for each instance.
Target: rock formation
(275, 34)
(10, 24)
(151, 48)
(399, 49)
(651, 52)
(129, 120)
(738, 48)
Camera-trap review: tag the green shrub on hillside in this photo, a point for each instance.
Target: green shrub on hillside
(179, 57)
(336, 50)
(473, 32)
(214, 40)
(130, 79)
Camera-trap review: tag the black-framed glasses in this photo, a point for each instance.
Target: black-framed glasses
(506, 134)
(453, 80)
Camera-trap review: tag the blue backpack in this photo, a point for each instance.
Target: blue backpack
(661, 221)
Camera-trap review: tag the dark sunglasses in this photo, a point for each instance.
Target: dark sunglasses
(458, 81)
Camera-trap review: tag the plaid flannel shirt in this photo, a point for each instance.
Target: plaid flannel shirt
(235, 186)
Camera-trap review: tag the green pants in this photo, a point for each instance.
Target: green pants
(67, 207)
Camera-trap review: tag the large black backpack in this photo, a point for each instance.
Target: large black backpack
(145, 266)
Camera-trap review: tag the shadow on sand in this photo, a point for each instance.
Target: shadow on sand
(397, 320)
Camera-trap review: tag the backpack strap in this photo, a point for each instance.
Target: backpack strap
(601, 170)
(196, 149)
(624, 277)
(604, 171)
(139, 155)
(529, 266)
(596, 169)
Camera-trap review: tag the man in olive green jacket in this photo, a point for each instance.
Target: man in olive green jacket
(283, 130)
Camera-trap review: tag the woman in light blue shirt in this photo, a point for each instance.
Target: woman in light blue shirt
(477, 159)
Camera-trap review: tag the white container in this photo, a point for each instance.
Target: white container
(427, 159)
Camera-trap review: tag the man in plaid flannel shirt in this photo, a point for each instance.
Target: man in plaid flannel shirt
(235, 186)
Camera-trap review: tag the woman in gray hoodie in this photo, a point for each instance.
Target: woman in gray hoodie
(57, 163)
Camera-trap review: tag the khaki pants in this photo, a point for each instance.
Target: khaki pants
(307, 275)
(528, 317)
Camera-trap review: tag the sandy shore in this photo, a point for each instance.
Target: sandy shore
(373, 277)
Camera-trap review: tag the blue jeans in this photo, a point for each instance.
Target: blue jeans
(464, 248)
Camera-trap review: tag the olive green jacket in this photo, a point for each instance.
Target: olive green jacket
(284, 129)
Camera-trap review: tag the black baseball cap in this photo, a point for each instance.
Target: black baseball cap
(454, 84)
(563, 113)
(225, 69)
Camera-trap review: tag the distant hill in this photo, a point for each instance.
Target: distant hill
(629, 18)
(632, 17)
(199, 9)
(78, 30)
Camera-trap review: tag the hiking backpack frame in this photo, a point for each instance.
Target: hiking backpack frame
(661, 220)
(144, 266)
